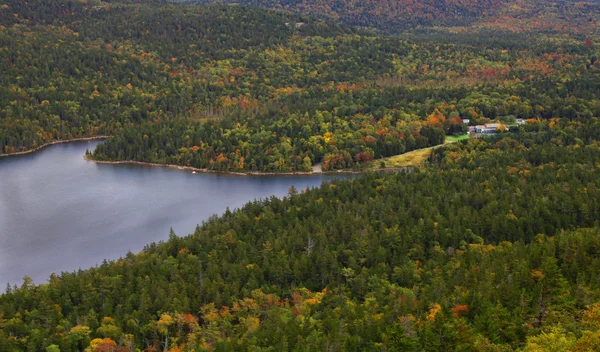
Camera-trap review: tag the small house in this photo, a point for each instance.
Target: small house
(488, 128)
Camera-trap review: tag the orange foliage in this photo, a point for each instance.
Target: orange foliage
(106, 345)
(347, 87)
(460, 310)
(537, 274)
(436, 118)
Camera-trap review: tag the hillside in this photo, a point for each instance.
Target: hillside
(234, 89)
(480, 251)
(491, 244)
(396, 16)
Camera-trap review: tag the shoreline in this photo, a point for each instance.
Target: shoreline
(233, 173)
(60, 141)
(199, 170)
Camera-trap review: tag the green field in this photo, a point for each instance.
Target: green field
(452, 139)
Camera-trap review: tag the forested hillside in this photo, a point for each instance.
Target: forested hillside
(236, 89)
(492, 245)
(479, 251)
(400, 15)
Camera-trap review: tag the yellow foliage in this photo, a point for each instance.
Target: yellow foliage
(108, 321)
(252, 323)
(537, 274)
(229, 239)
(312, 301)
(104, 343)
(377, 317)
(94, 343)
(433, 310)
(81, 331)
(556, 340)
(591, 316)
(209, 313)
(588, 342)
(164, 322)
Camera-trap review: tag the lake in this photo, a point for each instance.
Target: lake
(59, 212)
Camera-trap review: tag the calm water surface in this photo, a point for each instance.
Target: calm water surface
(59, 212)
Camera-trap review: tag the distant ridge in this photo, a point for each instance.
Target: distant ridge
(400, 15)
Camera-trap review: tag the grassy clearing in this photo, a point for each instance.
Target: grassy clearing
(452, 139)
(414, 158)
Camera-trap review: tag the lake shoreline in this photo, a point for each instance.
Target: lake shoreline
(404, 168)
(195, 169)
(87, 213)
(234, 173)
(61, 141)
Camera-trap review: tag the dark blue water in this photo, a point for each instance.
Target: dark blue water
(59, 212)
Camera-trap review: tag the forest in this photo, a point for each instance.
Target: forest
(492, 245)
(396, 16)
(237, 89)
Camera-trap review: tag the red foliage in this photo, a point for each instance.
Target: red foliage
(456, 120)
(363, 157)
(370, 140)
(190, 320)
(108, 345)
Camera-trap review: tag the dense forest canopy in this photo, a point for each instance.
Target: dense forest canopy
(493, 245)
(394, 16)
(236, 89)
